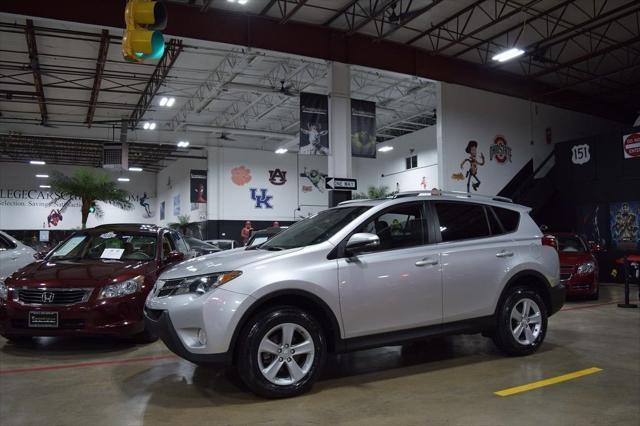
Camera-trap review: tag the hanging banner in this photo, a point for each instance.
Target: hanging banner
(363, 128)
(314, 124)
(631, 145)
(199, 193)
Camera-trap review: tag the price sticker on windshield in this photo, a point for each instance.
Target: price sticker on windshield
(112, 253)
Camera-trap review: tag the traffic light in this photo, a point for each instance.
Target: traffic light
(142, 37)
(92, 209)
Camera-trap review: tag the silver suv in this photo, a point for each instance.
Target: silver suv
(365, 274)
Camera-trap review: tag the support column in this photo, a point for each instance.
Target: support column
(339, 127)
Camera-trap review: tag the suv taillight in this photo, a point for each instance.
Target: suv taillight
(550, 240)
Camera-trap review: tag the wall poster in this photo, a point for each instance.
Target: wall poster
(314, 124)
(363, 128)
(624, 221)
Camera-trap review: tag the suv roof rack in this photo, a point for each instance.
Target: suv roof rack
(460, 194)
(357, 200)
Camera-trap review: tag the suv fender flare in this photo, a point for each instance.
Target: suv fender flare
(307, 298)
(535, 278)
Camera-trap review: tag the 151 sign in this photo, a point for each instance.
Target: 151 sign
(580, 154)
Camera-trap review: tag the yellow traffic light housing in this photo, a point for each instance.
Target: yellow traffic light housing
(142, 37)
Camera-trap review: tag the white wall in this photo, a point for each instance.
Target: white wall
(174, 182)
(24, 205)
(389, 168)
(466, 114)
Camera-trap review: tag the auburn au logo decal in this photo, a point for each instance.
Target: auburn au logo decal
(277, 177)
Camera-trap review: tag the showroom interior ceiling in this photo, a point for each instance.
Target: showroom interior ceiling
(71, 78)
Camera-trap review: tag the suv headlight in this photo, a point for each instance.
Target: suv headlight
(197, 285)
(586, 268)
(4, 291)
(122, 289)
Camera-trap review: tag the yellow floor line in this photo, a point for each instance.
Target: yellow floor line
(547, 382)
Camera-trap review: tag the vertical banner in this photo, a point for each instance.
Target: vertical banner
(363, 128)
(314, 124)
(199, 193)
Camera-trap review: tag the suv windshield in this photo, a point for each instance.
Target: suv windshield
(314, 230)
(107, 245)
(569, 244)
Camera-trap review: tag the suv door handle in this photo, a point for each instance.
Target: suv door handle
(427, 261)
(504, 254)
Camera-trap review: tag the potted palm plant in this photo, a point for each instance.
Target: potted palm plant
(89, 187)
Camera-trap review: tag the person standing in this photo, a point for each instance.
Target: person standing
(245, 233)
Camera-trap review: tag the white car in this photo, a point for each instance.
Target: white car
(13, 255)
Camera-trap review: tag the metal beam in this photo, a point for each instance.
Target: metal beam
(267, 7)
(100, 63)
(34, 64)
(292, 12)
(445, 21)
(342, 11)
(412, 16)
(373, 15)
(171, 52)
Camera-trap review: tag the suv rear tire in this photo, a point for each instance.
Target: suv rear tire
(522, 322)
(281, 352)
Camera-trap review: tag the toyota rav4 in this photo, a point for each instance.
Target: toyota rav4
(364, 274)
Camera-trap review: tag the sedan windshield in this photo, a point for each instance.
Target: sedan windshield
(314, 230)
(107, 245)
(569, 244)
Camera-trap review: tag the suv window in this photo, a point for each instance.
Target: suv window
(509, 218)
(5, 244)
(400, 226)
(462, 221)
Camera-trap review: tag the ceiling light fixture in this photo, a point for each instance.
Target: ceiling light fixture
(282, 151)
(123, 179)
(45, 186)
(42, 176)
(170, 102)
(37, 162)
(183, 144)
(146, 125)
(507, 55)
(386, 148)
(135, 169)
(152, 125)
(163, 101)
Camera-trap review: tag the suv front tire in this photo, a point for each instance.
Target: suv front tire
(281, 352)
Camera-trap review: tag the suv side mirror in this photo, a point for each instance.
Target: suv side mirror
(362, 241)
(174, 257)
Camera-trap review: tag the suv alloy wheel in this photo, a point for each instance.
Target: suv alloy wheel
(522, 322)
(281, 352)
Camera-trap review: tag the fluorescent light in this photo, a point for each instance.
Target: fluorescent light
(45, 186)
(37, 162)
(123, 179)
(242, 1)
(281, 151)
(152, 126)
(170, 102)
(183, 144)
(514, 52)
(146, 125)
(386, 148)
(163, 101)
(42, 176)
(135, 169)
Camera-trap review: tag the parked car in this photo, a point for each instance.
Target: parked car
(223, 244)
(13, 255)
(578, 265)
(200, 248)
(367, 273)
(94, 283)
(263, 235)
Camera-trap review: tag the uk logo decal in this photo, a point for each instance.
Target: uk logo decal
(262, 199)
(277, 177)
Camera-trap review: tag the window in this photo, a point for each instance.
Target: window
(107, 245)
(508, 218)
(167, 245)
(181, 244)
(571, 244)
(462, 221)
(412, 162)
(496, 228)
(6, 244)
(400, 226)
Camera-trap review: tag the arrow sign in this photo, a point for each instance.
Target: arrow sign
(341, 183)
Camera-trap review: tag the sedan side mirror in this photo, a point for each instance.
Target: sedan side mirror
(362, 241)
(174, 257)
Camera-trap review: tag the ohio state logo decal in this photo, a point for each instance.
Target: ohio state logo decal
(499, 150)
(277, 177)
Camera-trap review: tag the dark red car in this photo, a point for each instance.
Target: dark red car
(93, 283)
(578, 266)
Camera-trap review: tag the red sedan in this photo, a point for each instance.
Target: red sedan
(578, 266)
(94, 283)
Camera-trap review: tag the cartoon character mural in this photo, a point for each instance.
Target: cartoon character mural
(54, 217)
(316, 177)
(472, 171)
(145, 203)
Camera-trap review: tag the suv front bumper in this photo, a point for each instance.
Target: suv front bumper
(160, 324)
(557, 295)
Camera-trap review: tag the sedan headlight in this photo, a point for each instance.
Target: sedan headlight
(197, 285)
(4, 291)
(122, 289)
(586, 268)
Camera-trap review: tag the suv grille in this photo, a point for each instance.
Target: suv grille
(52, 296)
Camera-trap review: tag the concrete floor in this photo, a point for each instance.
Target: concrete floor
(447, 381)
